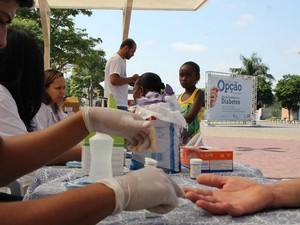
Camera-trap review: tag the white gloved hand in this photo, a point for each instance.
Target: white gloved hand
(140, 134)
(149, 188)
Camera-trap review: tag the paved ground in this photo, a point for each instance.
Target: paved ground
(274, 148)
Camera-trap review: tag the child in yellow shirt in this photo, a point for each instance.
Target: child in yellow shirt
(192, 101)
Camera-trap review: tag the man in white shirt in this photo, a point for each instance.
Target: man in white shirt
(116, 80)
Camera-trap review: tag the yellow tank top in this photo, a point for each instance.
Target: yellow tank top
(190, 101)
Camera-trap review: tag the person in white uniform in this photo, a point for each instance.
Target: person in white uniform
(51, 112)
(20, 93)
(53, 96)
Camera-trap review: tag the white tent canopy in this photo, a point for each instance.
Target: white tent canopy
(184, 5)
(125, 5)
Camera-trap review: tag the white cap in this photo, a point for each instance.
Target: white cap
(195, 161)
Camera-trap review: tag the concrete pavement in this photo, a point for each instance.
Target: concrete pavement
(274, 148)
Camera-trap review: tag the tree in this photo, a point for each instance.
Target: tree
(287, 92)
(69, 45)
(253, 66)
(264, 92)
(79, 83)
(86, 78)
(70, 48)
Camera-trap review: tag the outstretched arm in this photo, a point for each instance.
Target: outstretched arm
(88, 205)
(22, 154)
(238, 196)
(287, 193)
(82, 206)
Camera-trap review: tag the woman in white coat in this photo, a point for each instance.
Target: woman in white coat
(54, 92)
(51, 112)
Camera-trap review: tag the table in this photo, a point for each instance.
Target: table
(49, 181)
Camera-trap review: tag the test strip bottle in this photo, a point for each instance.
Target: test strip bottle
(195, 168)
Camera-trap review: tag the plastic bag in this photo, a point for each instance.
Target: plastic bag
(164, 113)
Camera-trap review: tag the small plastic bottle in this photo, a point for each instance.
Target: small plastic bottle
(101, 146)
(195, 168)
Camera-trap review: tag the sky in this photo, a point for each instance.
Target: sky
(214, 36)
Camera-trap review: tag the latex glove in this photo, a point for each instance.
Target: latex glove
(140, 134)
(148, 188)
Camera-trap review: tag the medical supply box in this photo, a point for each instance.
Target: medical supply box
(214, 160)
